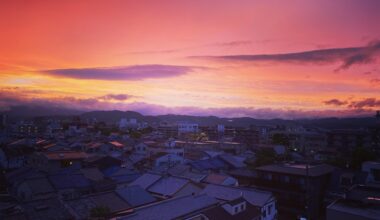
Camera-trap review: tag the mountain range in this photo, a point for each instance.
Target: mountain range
(28, 112)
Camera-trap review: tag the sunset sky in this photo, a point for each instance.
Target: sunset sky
(263, 59)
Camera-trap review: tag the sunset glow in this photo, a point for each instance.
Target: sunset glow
(262, 59)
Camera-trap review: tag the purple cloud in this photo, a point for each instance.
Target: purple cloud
(335, 102)
(361, 104)
(116, 97)
(347, 56)
(137, 72)
(12, 98)
(366, 103)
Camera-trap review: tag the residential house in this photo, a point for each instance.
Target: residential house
(237, 209)
(263, 200)
(58, 159)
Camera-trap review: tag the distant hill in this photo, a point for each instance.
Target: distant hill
(26, 111)
(21, 112)
(111, 116)
(328, 123)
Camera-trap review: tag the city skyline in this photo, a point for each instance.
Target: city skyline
(249, 58)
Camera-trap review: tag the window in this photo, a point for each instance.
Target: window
(236, 209)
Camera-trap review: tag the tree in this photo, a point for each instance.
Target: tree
(281, 139)
(360, 155)
(265, 156)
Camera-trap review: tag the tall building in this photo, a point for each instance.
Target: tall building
(299, 188)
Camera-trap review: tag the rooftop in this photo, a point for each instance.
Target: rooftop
(228, 193)
(362, 201)
(168, 186)
(172, 208)
(135, 195)
(146, 180)
(298, 169)
(65, 155)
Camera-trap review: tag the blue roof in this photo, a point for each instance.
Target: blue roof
(209, 164)
(69, 181)
(135, 195)
(126, 178)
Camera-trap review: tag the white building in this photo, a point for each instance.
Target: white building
(187, 128)
(128, 123)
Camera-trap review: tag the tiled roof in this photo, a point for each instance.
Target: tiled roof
(215, 178)
(172, 208)
(168, 186)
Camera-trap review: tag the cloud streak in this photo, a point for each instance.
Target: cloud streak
(335, 102)
(130, 73)
(236, 43)
(347, 56)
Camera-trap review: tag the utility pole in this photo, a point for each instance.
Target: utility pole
(307, 190)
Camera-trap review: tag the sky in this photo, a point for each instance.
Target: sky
(263, 59)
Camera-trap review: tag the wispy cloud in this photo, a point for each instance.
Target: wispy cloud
(335, 102)
(366, 103)
(347, 56)
(132, 73)
(237, 43)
